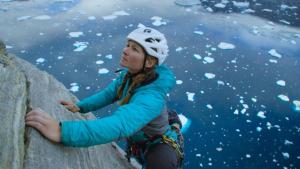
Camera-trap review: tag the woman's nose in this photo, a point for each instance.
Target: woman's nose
(125, 50)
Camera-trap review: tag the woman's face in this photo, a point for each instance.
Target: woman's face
(132, 57)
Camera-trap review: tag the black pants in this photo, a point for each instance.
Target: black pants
(161, 156)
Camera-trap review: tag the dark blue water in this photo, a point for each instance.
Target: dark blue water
(237, 70)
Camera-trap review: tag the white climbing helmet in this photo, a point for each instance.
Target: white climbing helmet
(153, 42)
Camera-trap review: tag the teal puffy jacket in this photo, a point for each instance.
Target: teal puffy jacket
(145, 105)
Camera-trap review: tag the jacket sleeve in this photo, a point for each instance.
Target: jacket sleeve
(102, 98)
(125, 121)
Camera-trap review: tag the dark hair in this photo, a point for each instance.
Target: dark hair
(135, 81)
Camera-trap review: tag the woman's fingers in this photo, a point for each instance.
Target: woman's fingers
(36, 125)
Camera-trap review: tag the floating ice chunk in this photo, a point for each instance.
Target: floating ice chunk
(8, 47)
(75, 34)
(280, 82)
(220, 5)
(284, 6)
(210, 75)
(285, 155)
(22, 18)
(284, 21)
(99, 62)
(187, 2)
(109, 17)
(273, 61)
(60, 57)
(179, 82)
(179, 49)
(103, 71)
(186, 123)
(209, 106)
(121, 13)
(99, 34)
(190, 96)
(261, 114)
(273, 52)
(198, 32)
(283, 97)
(219, 149)
(74, 87)
(258, 129)
(209, 9)
(80, 46)
(243, 111)
(209, 59)
(267, 10)
(197, 56)
(109, 56)
(241, 4)
(220, 82)
(91, 17)
(40, 60)
(42, 17)
(248, 11)
(296, 105)
(224, 45)
(287, 142)
(198, 155)
(63, 1)
(158, 21)
(236, 112)
(248, 156)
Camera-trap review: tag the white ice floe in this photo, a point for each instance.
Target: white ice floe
(190, 96)
(273, 52)
(178, 49)
(109, 17)
(284, 21)
(158, 21)
(103, 71)
(219, 149)
(258, 129)
(284, 6)
(60, 57)
(115, 15)
(187, 2)
(80, 46)
(224, 45)
(92, 18)
(40, 60)
(280, 82)
(220, 82)
(286, 155)
(75, 34)
(273, 61)
(21, 18)
(8, 47)
(109, 56)
(296, 105)
(209, 75)
(287, 142)
(236, 112)
(209, 9)
(261, 114)
(248, 156)
(74, 87)
(197, 56)
(179, 82)
(241, 4)
(186, 123)
(199, 32)
(98, 34)
(283, 97)
(209, 106)
(220, 5)
(243, 111)
(209, 59)
(42, 17)
(99, 62)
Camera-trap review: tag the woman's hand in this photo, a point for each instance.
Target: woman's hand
(70, 106)
(44, 123)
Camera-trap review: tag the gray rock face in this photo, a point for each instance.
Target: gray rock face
(23, 86)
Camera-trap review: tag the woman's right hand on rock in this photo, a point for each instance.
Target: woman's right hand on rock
(70, 106)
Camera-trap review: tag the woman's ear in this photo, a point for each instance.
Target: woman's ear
(150, 62)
